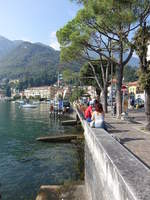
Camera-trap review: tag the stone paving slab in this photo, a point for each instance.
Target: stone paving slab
(131, 136)
(138, 115)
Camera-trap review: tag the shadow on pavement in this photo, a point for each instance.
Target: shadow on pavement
(124, 140)
(117, 131)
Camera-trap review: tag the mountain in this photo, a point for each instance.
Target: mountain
(33, 62)
(133, 62)
(20, 59)
(28, 59)
(6, 46)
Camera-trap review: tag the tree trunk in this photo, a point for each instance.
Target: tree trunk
(118, 91)
(119, 75)
(147, 108)
(104, 99)
(119, 101)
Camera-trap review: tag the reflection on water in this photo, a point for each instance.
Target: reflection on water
(26, 164)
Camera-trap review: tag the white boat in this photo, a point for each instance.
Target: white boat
(36, 103)
(29, 106)
(19, 101)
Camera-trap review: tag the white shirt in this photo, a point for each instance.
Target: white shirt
(98, 119)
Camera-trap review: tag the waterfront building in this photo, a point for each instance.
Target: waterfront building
(45, 92)
(15, 93)
(132, 87)
(63, 92)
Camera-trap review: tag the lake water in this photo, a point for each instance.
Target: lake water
(25, 164)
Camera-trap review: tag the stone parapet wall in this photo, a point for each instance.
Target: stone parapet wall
(111, 171)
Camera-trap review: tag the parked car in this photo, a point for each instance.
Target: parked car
(139, 103)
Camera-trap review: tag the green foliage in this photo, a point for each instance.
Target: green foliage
(144, 78)
(86, 72)
(141, 39)
(76, 94)
(33, 65)
(87, 32)
(67, 75)
(72, 38)
(111, 14)
(71, 77)
(130, 74)
(87, 76)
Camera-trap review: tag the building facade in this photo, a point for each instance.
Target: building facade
(45, 92)
(135, 90)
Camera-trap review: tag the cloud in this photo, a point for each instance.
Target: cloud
(53, 41)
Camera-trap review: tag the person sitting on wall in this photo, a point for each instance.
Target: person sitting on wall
(98, 117)
(82, 108)
(88, 112)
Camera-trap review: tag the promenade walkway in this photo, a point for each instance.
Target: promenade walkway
(131, 134)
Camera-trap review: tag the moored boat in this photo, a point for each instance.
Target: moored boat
(29, 106)
(19, 101)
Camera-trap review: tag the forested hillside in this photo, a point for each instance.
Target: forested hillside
(6, 46)
(34, 64)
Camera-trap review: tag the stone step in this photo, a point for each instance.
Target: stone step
(60, 138)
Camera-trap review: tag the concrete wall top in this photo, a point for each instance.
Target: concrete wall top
(134, 175)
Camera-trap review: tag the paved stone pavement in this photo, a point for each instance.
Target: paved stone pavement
(131, 134)
(138, 115)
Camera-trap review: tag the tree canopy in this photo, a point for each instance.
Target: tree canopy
(104, 29)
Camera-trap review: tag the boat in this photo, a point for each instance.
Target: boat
(35, 102)
(29, 106)
(19, 101)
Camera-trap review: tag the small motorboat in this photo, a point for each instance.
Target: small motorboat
(35, 102)
(29, 106)
(19, 101)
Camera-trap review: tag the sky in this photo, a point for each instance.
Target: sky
(35, 20)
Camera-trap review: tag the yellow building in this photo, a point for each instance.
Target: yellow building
(135, 90)
(133, 87)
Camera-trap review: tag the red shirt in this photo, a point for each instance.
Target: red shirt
(88, 112)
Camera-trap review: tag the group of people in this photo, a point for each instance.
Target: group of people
(94, 114)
